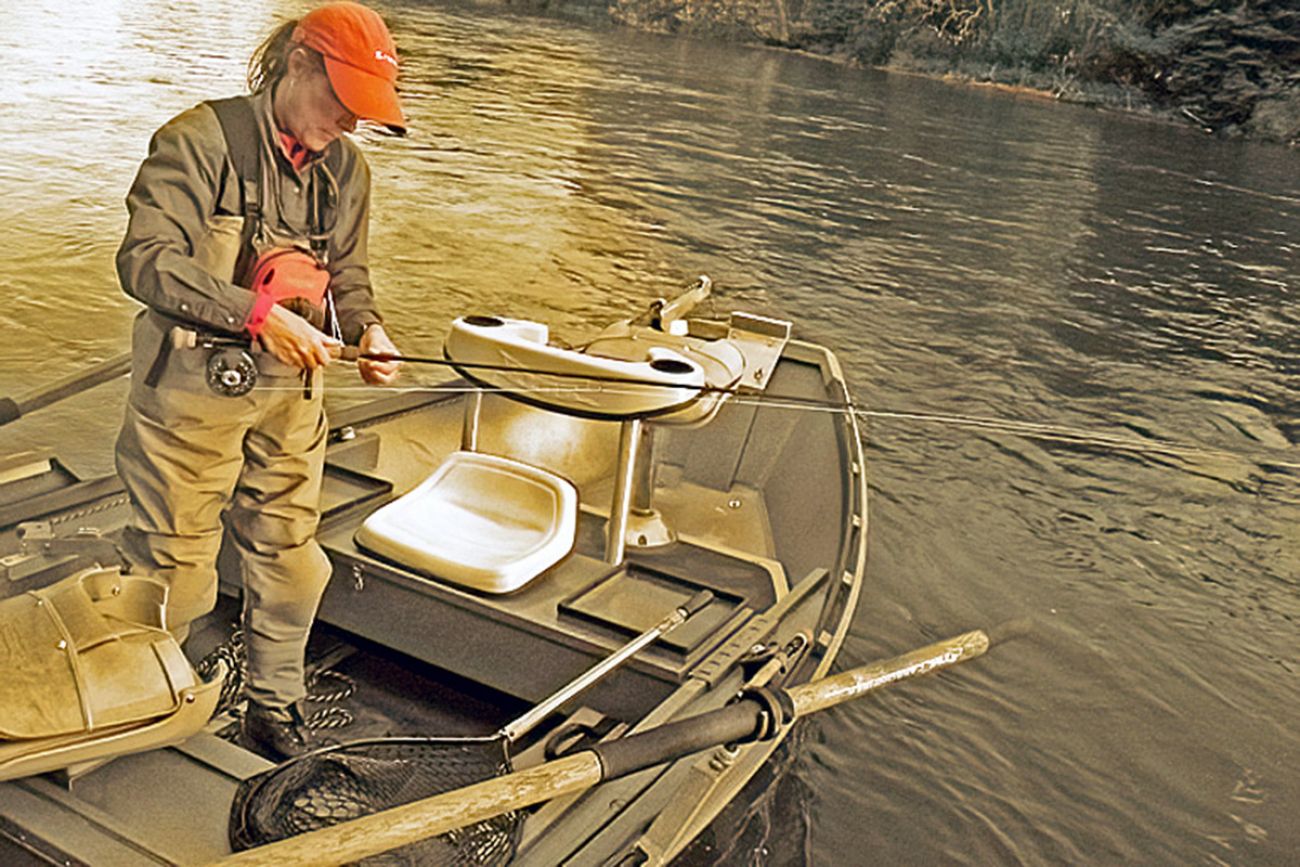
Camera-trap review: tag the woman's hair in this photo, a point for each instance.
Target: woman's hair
(271, 59)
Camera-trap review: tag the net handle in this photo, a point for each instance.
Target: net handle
(511, 732)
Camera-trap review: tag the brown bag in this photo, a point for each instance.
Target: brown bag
(88, 671)
(86, 653)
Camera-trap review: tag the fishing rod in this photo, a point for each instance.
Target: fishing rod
(12, 409)
(741, 396)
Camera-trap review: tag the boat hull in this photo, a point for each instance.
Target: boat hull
(765, 506)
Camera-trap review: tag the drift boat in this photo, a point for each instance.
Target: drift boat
(493, 539)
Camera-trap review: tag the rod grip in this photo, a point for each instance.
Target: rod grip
(354, 353)
(696, 603)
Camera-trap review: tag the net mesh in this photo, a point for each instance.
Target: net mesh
(351, 780)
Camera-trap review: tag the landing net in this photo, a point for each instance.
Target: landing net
(344, 782)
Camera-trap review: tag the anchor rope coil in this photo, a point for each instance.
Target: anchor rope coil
(324, 686)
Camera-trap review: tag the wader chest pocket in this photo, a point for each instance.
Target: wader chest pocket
(217, 251)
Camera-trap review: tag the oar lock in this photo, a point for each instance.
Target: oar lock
(776, 710)
(768, 663)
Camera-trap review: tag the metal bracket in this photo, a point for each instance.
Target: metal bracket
(761, 340)
(41, 550)
(778, 709)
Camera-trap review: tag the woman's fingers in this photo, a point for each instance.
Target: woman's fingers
(379, 372)
(375, 341)
(295, 341)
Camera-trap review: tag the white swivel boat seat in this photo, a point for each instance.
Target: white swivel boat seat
(481, 521)
(514, 357)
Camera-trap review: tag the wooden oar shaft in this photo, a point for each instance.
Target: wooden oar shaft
(410, 823)
(818, 695)
(420, 820)
(75, 383)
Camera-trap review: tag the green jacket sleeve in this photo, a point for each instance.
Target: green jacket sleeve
(349, 264)
(170, 203)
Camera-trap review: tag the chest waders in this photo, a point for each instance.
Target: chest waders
(232, 371)
(203, 465)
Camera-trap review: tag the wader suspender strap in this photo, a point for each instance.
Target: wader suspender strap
(239, 127)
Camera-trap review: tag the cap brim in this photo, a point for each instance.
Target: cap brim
(367, 96)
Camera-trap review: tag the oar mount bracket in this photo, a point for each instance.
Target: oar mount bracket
(776, 710)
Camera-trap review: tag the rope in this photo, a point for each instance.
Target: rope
(234, 656)
(329, 718)
(324, 686)
(318, 686)
(320, 691)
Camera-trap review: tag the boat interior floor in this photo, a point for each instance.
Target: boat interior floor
(360, 689)
(172, 803)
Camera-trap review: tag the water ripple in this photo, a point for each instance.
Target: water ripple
(967, 253)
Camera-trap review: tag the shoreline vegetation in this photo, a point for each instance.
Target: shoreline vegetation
(1227, 67)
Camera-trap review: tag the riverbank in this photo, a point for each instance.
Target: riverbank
(1230, 69)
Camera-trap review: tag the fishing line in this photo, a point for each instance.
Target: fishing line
(1030, 430)
(798, 402)
(1077, 436)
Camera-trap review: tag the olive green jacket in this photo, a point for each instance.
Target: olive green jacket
(187, 193)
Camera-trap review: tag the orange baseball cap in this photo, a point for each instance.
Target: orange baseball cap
(360, 59)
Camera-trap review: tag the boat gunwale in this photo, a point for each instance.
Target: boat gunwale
(846, 584)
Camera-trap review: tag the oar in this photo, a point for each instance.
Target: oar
(746, 720)
(11, 409)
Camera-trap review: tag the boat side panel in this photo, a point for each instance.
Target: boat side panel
(485, 641)
(800, 466)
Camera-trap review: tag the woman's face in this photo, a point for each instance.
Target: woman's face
(306, 105)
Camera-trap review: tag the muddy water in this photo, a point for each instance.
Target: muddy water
(968, 254)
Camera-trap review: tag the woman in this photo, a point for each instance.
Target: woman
(248, 223)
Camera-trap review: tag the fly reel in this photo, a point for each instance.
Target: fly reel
(231, 372)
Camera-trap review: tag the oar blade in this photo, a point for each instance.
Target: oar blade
(819, 695)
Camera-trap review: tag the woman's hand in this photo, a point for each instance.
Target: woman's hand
(375, 342)
(295, 341)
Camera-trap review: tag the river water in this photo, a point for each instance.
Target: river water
(968, 253)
